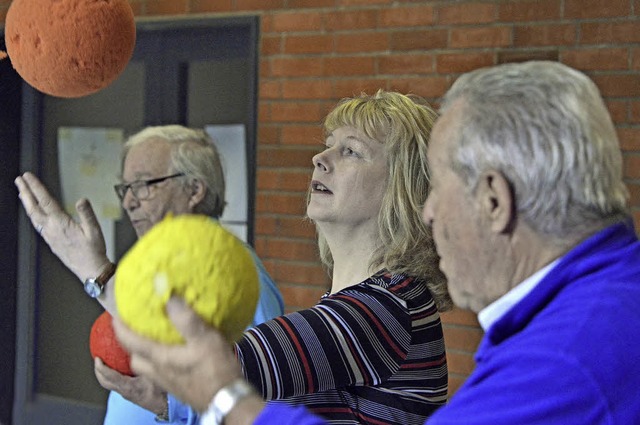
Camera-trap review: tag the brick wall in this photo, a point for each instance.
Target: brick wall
(314, 52)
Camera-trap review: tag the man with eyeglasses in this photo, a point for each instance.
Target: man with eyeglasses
(166, 170)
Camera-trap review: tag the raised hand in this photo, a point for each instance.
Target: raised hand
(80, 246)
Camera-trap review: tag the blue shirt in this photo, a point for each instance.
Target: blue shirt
(121, 411)
(565, 354)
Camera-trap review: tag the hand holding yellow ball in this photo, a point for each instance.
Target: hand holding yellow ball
(193, 257)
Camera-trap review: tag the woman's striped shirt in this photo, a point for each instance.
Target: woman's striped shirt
(371, 353)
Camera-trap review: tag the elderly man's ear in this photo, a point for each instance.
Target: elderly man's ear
(198, 191)
(497, 201)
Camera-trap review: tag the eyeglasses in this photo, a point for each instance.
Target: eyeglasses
(140, 188)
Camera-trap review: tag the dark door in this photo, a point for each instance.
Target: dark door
(196, 72)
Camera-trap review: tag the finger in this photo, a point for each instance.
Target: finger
(28, 200)
(187, 321)
(41, 195)
(141, 366)
(88, 220)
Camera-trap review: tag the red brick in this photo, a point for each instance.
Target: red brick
(460, 362)
(266, 225)
(355, 86)
(463, 338)
(267, 179)
(307, 89)
(618, 85)
(362, 2)
(419, 40)
(202, 6)
(264, 112)
(545, 35)
(634, 113)
(167, 7)
(481, 37)
(454, 63)
(418, 63)
(610, 32)
(280, 203)
(270, 45)
(635, 59)
(136, 7)
(618, 110)
(265, 67)
(270, 89)
(291, 111)
(455, 382)
(466, 13)
(301, 4)
(310, 135)
(629, 139)
(596, 59)
(308, 44)
(298, 297)
(631, 165)
(258, 4)
(351, 20)
(302, 273)
(296, 181)
(266, 23)
(362, 42)
(510, 56)
(268, 134)
(428, 87)
(460, 317)
(407, 16)
(296, 21)
(529, 11)
(297, 227)
(278, 157)
(296, 67)
(634, 194)
(636, 219)
(292, 249)
(349, 65)
(596, 9)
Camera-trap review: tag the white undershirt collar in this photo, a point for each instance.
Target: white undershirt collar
(494, 311)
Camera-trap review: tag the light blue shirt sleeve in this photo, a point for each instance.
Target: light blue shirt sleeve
(121, 411)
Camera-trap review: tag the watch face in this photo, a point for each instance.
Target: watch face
(92, 288)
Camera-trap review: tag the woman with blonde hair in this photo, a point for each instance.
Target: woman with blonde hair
(372, 349)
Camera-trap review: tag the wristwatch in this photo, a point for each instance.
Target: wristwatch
(94, 286)
(225, 400)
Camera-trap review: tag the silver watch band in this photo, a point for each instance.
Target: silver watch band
(225, 400)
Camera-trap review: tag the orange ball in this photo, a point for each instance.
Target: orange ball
(70, 48)
(104, 344)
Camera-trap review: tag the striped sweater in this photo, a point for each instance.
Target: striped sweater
(371, 353)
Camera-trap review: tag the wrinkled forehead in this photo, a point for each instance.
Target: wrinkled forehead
(150, 158)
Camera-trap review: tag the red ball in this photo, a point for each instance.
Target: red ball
(104, 344)
(70, 48)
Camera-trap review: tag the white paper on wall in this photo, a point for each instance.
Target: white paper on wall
(231, 143)
(89, 165)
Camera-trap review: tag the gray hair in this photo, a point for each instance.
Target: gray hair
(194, 154)
(546, 128)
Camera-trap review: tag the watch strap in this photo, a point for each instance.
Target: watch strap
(106, 274)
(225, 400)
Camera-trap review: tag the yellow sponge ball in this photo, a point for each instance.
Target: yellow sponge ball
(195, 258)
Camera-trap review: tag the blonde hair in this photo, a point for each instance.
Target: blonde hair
(403, 124)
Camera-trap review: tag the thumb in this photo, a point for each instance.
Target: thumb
(186, 321)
